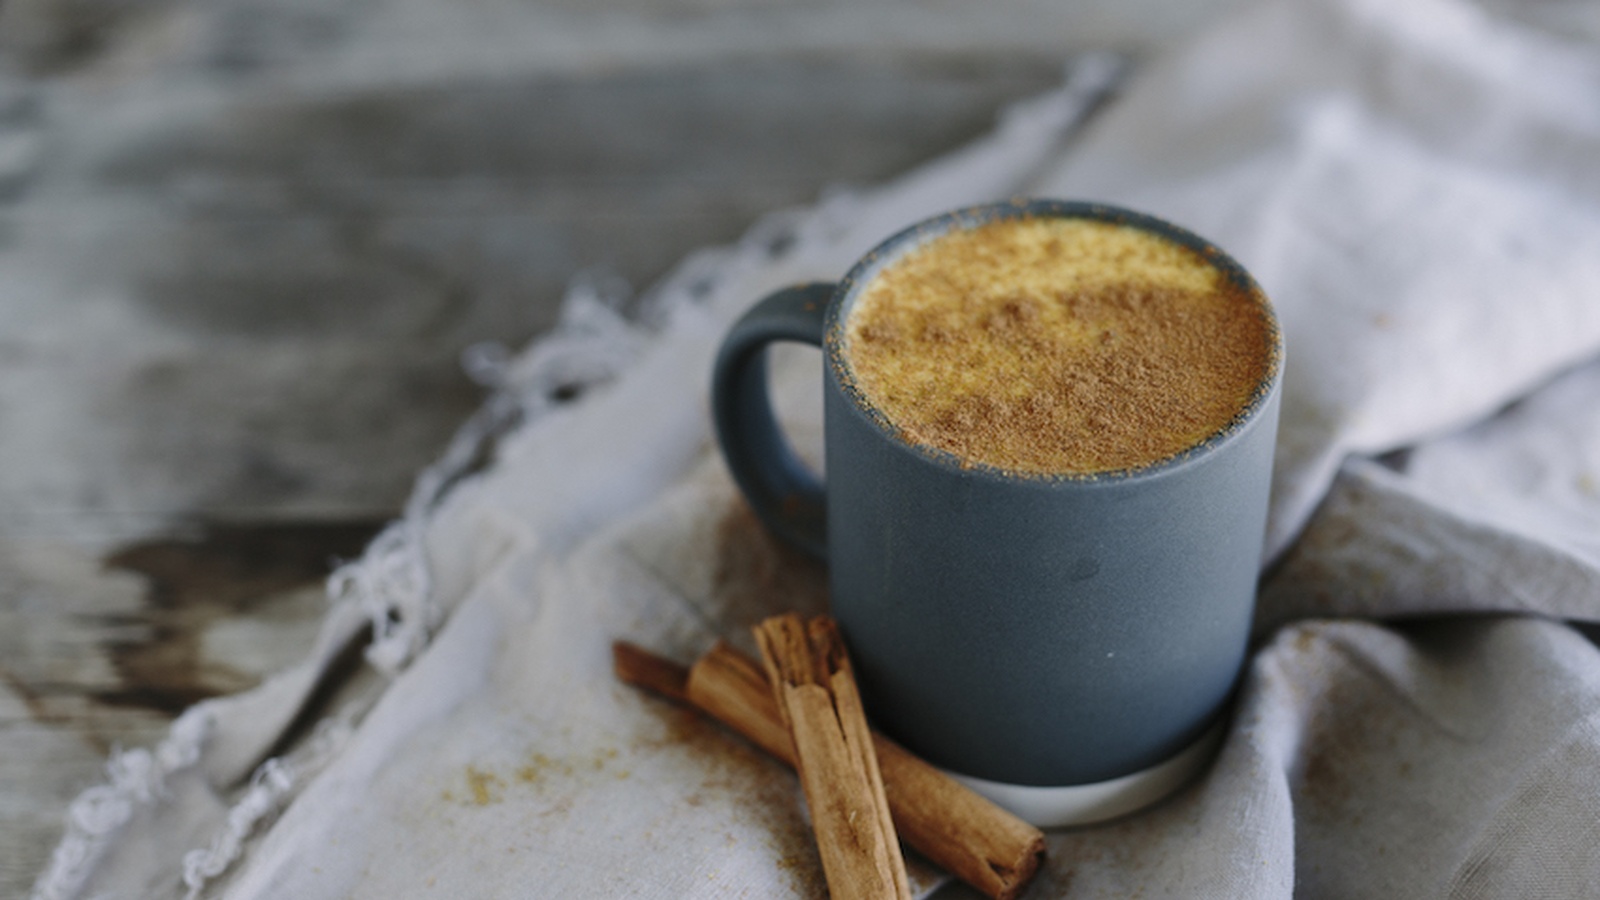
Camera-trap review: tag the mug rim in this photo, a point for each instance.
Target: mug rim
(908, 239)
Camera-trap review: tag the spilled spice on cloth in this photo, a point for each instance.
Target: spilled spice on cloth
(1057, 346)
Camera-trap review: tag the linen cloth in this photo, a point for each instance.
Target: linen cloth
(1416, 186)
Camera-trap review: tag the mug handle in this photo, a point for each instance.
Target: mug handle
(786, 496)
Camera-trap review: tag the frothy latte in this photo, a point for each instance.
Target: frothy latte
(1057, 346)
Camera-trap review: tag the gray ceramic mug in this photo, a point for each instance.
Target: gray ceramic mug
(1065, 644)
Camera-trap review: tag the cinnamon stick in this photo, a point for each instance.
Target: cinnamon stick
(733, 688)
(638, 666)
(816, 695)
(958, 830)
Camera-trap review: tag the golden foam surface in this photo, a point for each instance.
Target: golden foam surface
(1057, 346)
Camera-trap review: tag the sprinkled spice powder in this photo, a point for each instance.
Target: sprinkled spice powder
(1057, 346)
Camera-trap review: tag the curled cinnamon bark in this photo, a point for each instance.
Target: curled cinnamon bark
(958, 830)
(816, 694)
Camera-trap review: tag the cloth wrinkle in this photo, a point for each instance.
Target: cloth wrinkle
(270, 788)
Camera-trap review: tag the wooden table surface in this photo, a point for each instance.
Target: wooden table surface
(243, 245)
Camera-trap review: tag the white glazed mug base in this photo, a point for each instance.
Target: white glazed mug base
(1084, 804)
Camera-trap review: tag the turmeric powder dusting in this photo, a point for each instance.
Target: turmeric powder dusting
(1058, 346)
